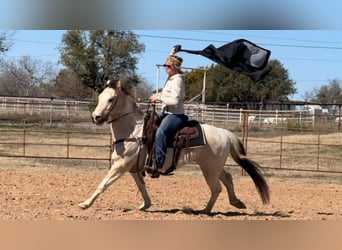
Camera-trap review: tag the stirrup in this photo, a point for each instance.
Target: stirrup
(152, 171)
(169, 171)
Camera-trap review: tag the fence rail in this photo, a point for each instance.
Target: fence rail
(285, 140)
(282, 140)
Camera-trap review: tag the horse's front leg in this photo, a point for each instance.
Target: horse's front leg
(142, 188)
(115, 172)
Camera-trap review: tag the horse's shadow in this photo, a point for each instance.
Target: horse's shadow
(190, 211)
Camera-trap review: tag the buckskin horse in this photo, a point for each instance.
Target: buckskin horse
(118, 108)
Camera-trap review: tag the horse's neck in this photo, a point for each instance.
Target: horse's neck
(125, 127)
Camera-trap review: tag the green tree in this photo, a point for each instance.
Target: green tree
(330, 93)
(277, 86)
(226, 85)
(194, 85)
(97, 55)
(67, 86)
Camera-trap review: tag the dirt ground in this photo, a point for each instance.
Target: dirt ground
(52, 193)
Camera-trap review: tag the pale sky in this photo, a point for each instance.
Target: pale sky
(312, 57)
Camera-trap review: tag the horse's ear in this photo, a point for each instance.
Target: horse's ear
(118, 83)
(114, 83)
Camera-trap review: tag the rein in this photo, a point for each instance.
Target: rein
(129, 139)
(118, 118)
(112, 108)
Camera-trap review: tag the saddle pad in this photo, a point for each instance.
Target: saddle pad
(199, 140)
(191, 136)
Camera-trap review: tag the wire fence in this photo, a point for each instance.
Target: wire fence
(296, 140)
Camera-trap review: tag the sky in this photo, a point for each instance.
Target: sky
(312, 57)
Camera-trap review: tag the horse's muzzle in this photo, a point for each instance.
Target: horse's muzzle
(98, 119)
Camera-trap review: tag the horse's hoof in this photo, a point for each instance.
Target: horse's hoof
(144, 207)
(205, 211)
(239, 204)
(83, 205)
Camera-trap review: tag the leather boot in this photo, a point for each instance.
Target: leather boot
(152, 171)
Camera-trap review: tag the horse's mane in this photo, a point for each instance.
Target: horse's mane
(127, 91)
(129, 94)
(116, 82)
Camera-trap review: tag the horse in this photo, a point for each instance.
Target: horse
(117, 107)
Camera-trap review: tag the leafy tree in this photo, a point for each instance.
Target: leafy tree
(67, 86)
(226, 85)
(277, 85)
(97, 55)
(194, 84)
(330, 93)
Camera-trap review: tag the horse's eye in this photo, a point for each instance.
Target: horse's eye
(111, 100)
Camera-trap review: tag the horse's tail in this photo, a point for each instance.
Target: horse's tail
(238, 153)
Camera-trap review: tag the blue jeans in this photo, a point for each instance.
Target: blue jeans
(165, 133)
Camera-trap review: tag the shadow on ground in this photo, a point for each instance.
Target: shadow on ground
(190, 211)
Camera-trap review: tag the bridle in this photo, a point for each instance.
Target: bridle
(120, 117)
(113, 105)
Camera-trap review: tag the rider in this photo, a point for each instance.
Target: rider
(172, 115)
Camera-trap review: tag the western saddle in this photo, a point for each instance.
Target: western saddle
(190, 135)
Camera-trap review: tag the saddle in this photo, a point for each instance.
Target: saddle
(189, 136)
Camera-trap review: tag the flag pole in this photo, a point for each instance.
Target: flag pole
(204, 83)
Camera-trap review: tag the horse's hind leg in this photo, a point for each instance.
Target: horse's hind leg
(215, 188)
(227, 180)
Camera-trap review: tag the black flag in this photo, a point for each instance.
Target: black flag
(239, 55)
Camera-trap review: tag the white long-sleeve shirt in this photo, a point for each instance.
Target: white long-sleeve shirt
(173, 94)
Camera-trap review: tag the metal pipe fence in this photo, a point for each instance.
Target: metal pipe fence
(281, 140)
(51, 130)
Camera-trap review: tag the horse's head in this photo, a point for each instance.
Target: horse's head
(107, 101)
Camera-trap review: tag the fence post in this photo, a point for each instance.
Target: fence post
(313, 118)
(68, 130)
(318, 142)
(339, 117)
(240, 118)
(227, 113)
(24, 131)
(51, 112)
(244, 132)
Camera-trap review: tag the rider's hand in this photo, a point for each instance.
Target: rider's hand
(173, 51)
